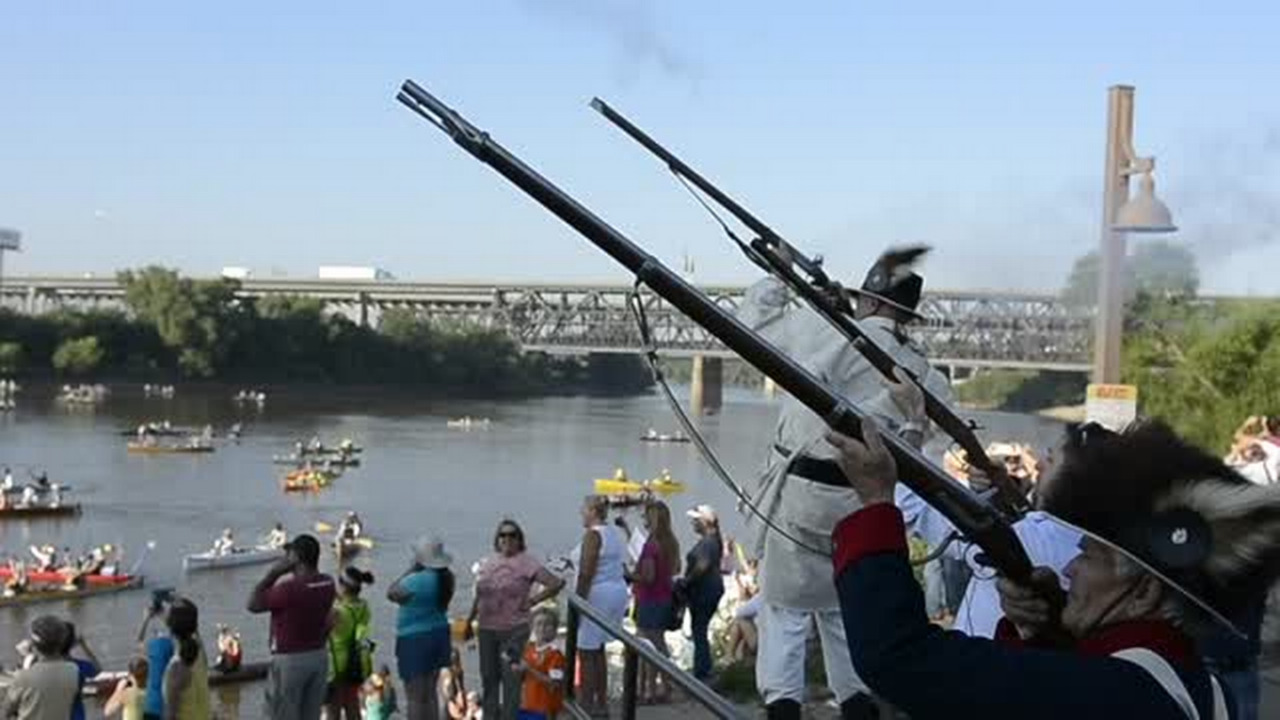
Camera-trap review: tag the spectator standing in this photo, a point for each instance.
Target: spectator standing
(652, 585)
(48, 689)
(186, 679)
(299, 598)
(350, 655)
(503, 597)
(423, 593)
(703, 585)
(601, 582)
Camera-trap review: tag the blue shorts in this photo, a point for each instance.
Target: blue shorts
(653, 616)
(530, 715)
(422, 653)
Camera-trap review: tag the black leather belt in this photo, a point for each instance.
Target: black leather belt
(825, 472)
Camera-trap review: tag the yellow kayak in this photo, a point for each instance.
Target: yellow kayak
(627, 487)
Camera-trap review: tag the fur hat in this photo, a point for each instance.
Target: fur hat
(1181, 513)
(893, 281)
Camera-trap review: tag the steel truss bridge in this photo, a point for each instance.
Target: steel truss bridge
(961, 329)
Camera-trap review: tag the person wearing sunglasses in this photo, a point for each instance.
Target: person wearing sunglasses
(504, 596)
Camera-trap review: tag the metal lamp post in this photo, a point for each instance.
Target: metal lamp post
(1143, 214)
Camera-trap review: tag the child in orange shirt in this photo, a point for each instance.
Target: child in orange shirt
(542, 667)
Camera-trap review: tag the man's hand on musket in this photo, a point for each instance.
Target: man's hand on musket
(867, 464)
(1036, 608)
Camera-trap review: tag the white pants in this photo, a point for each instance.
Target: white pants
(780, 657)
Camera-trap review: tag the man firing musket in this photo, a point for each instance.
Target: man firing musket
(803, 490)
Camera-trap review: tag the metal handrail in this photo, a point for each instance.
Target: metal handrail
(634, 650)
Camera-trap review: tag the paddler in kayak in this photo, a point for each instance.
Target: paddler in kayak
(230, 651)
(225, 544)
(277, 538)
(350, 529)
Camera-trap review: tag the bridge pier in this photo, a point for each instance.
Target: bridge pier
(707, 385)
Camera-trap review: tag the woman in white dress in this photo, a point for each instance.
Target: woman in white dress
(602, 583)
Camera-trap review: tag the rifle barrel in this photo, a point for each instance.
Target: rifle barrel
(973, 515)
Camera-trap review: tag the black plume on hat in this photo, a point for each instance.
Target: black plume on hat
(893, 280)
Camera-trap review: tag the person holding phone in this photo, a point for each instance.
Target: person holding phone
(299, 598)
(158, 651)
(129, 699)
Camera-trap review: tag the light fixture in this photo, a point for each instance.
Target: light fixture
(1144, 213)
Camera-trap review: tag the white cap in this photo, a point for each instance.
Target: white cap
(704, 513)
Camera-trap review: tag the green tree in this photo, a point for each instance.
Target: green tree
(1156, 267)
(10, 357)
(1203, 369)
(198, 320)
(78, 356)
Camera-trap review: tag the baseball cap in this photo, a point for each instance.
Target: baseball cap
(703, 512)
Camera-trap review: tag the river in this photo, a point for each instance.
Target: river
(533, 463)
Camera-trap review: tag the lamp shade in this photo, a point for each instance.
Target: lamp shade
(1144, 213)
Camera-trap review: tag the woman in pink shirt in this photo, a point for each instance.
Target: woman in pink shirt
(651, 584)
(500, 613)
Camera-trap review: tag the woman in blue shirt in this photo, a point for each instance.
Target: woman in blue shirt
(423, 593)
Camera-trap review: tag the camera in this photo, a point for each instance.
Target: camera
(159, 598)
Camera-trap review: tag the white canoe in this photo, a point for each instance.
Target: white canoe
(248, 556)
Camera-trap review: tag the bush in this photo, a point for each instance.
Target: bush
(10, 357)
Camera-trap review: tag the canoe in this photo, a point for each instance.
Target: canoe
(335, 460)
(665, 438)
(53, 576)
(627, 487)
(332, 450)
(308, 480)
(351, 548)
(103, 684)
(246, 556)
(34, 596)
(168, 449)
(40, 511)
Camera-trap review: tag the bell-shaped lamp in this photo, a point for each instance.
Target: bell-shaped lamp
(1144, 213)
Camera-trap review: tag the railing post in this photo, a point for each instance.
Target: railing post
(630, 677)
(571, 653)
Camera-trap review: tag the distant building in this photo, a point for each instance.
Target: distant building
(237, 273)
(353, 272)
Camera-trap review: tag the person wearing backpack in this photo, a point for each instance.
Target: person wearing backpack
(350, 650)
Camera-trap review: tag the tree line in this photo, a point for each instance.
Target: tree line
(177, 327)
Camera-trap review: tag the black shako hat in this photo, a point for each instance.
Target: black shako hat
(893, 281)
(1182, 514)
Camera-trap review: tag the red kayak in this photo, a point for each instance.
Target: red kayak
(52, 576)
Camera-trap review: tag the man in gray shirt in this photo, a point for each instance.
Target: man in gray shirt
(47, 689)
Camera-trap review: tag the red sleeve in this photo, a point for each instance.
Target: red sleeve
(872, 530)
(1007, 633)
(279, 595)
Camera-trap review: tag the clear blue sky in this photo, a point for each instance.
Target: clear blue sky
(266, 135)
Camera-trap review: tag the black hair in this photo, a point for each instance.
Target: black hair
(183, 622)
(447, 585)
(354, 579)
(69, 641)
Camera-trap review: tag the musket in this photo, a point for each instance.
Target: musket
(973, 515)
(771, 251)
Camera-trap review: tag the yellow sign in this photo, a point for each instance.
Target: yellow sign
(1111, 406)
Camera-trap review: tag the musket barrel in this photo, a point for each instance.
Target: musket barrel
(972, 515)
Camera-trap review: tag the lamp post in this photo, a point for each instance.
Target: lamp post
(1143, 214)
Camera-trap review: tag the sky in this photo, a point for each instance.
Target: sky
(267, 135)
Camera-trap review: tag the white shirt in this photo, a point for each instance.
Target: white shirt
(791, 576)
(1047, 542)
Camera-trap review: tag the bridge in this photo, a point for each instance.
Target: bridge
(961, 329)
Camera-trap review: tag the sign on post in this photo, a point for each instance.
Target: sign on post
(1111, 406)
(10, 239)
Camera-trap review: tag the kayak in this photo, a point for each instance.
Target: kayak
(332, 450)
(55, 593)
(335, 460)
(351, 548)
(168, 449)
(103, 684)
(627, 487)
(40, 511)
(664, 438)
(241, 556)
(308, 480)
